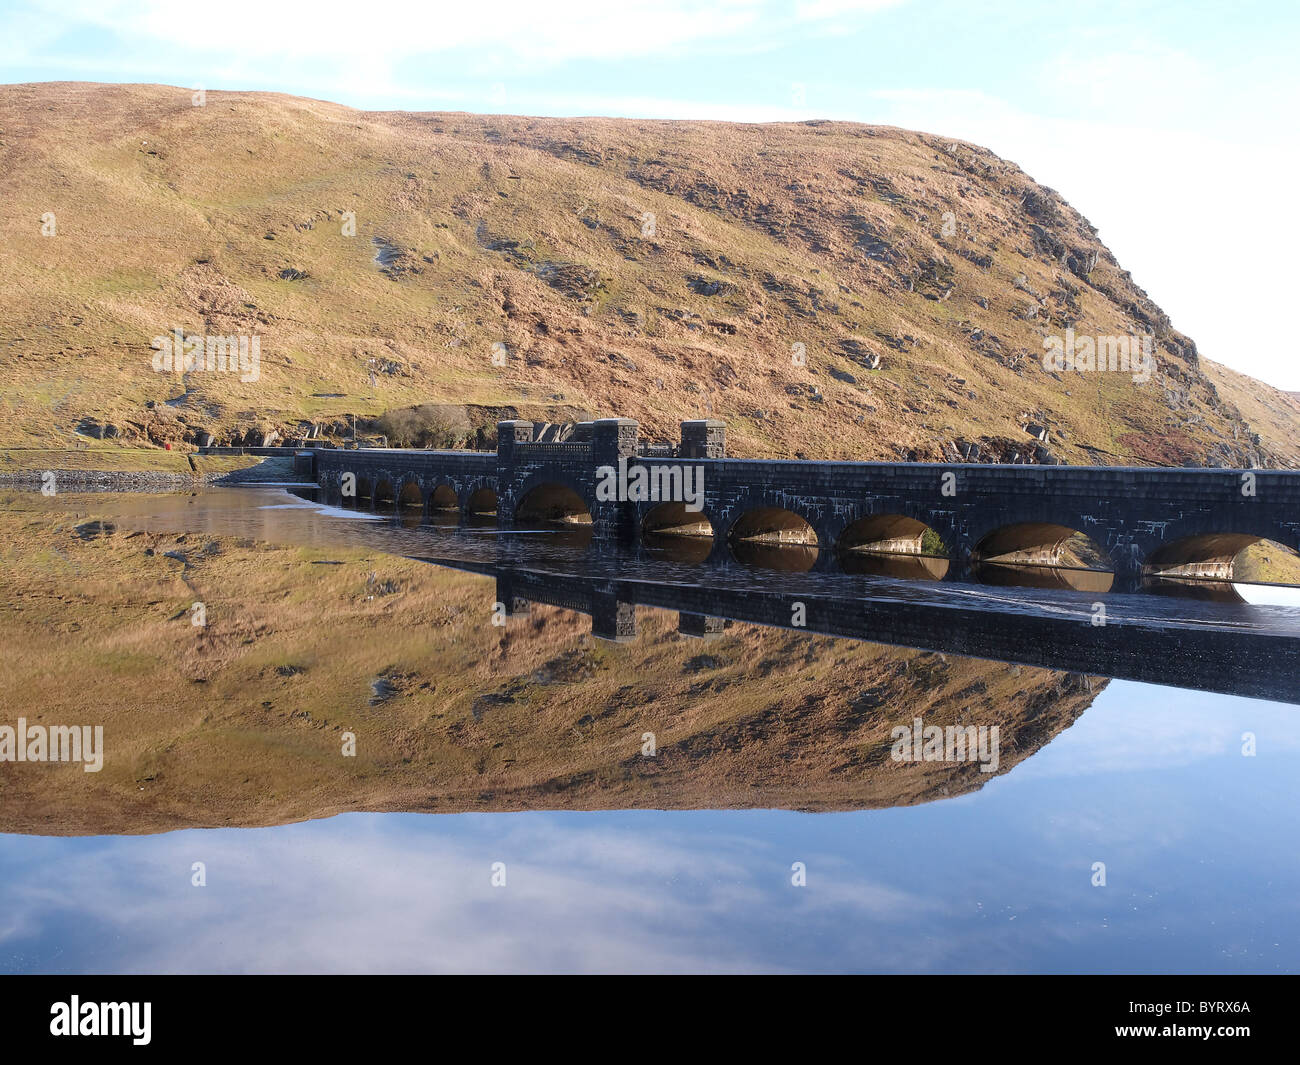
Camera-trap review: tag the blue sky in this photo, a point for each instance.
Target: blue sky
(1171, 126)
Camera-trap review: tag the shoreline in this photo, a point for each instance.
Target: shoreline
(65, 479)
(106, 480)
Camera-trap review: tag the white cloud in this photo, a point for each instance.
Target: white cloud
(521, 33)
(824, 9)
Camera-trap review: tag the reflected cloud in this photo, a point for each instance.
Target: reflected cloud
(365, 893)
(1152, 729)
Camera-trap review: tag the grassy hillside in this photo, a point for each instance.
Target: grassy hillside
(657, 270)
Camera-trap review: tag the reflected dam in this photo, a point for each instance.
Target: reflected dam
(1157, 646)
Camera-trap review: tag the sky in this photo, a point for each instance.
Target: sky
(1171, 126)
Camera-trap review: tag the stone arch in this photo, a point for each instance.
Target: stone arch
(552, 502)
(444, 497)
(1041, 543)
(773, 537)
(1209, 556)
(673, 519)
(899, 534)
(385, 496)
(680, 535)
(1042, 554)
(892, 545)
(482, 502)
(410, 495)
(774, 525)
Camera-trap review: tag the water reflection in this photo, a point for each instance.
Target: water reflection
(92, 530)
(1011, 575)
(887, 564)
(485, 675)
(472, 685)
(785, 558)
(1204, 590)
(691, 550)
(522, 671)
(1221, 645)
(570, 538)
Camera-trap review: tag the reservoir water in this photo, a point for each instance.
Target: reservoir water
(337, 742)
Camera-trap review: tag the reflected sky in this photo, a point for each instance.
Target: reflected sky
(1203, 875)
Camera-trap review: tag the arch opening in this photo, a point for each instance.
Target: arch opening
(673, 519)
(411, 496)
(552, 504)
(1042, 555)
(384, 493)
(1223, 556)
(773, 538)
(444, 498)
(1226, 567)
(364, 488)
(1267, 562)
(681, 535)
(892, 545)
(482, 503)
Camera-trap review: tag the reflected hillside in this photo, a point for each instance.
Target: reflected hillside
(242, 720)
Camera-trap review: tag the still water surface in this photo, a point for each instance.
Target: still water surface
(525, 738)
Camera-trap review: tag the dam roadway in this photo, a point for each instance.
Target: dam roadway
(1145, 521)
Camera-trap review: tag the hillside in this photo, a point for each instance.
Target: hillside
(656, 270)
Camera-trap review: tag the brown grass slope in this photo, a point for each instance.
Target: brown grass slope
(534, 233)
